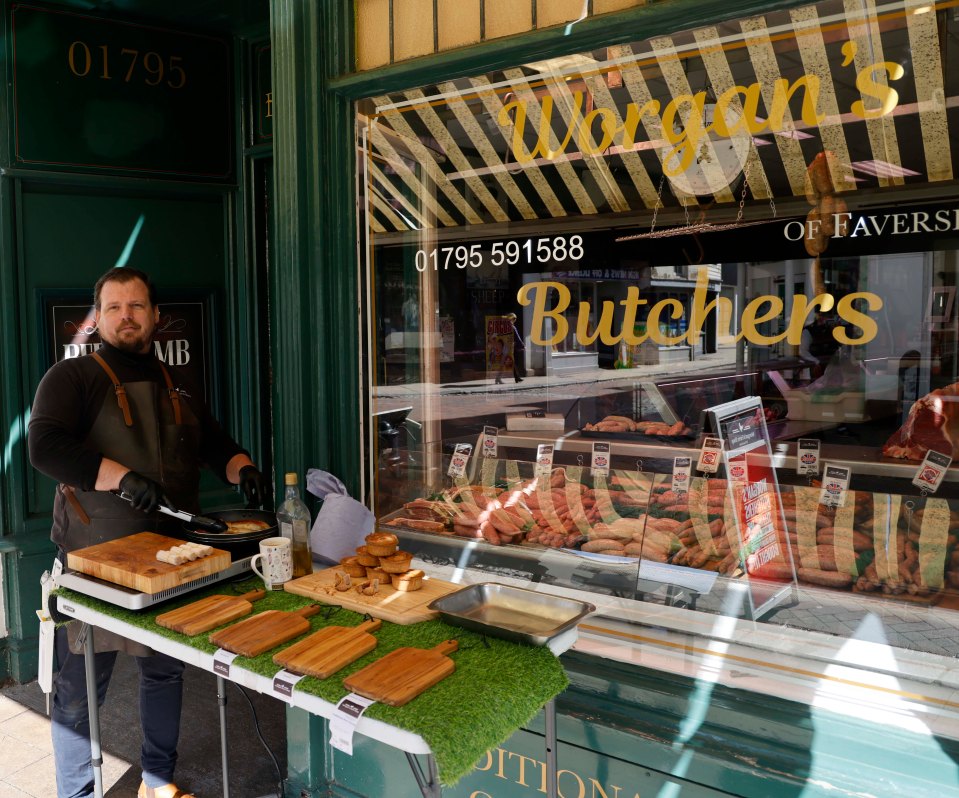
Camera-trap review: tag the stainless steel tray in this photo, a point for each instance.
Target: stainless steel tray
(512, 613)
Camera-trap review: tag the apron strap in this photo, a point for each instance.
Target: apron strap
(174, 395)
(74, 502)
(118, 389)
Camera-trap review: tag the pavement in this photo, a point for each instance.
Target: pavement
(26, 753)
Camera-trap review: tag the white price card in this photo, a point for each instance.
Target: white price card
(930, 473)
(461, 456)
(283, 684)
(710, 455)
(835, 483)
(544, 460)
(222, 660)
(807, 456)
(736, 470)
(343, 722)
(45, 650)
(489, 441)
(600, 462)
(681, 470)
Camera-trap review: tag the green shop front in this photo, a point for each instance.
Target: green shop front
(520, 253)
(575, 251)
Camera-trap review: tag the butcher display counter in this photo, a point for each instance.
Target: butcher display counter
(629, 534)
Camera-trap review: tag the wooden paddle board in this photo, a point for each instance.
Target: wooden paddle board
(264, 631)
(389, 604)
(131, 561)
(323, 653)
(208, 613)
(403, 674)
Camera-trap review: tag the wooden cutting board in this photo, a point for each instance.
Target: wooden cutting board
(264, 631)
(323, 653)
(403, 674)
(389, 604)
(131, 561)
(208, 613)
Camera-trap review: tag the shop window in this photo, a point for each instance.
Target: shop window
(609, 246)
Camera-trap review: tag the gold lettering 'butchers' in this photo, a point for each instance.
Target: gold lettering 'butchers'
(550, 324)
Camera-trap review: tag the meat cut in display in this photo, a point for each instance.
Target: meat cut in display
(932, 425)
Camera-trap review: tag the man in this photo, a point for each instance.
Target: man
(519, 348)
(817, 344)
(118, 420)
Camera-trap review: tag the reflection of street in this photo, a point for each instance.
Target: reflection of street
(466, 407)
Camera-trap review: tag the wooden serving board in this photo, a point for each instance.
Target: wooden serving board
(323, 653)
(403, 674)
(264, 631)
(389, 604)
(131, 561)
(208, 613)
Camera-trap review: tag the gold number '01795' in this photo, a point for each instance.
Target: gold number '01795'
(81, 62)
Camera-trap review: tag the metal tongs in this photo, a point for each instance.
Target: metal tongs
(200, 521)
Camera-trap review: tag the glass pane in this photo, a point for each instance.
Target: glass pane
(604, 247)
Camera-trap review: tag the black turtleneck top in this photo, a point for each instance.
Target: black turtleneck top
(70, 397)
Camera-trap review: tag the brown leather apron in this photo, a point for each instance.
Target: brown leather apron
(148, 428)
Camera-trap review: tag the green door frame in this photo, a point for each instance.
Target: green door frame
(25, 547)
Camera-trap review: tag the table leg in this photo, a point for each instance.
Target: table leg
(221, 700)
(429, 782)
(549, 715)
(93, 712)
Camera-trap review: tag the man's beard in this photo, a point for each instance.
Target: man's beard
(138, 345)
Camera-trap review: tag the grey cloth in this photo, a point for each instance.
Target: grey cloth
(342, 522)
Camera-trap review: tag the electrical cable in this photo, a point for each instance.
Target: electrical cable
(256, 726)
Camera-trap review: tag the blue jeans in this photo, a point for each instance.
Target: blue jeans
(161, 695)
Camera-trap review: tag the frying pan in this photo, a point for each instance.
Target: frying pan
(230, 542)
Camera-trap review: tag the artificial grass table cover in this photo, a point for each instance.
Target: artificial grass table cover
(498, 686)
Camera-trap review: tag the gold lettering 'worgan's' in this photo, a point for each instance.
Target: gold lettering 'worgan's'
(683, 119)
(760, 310)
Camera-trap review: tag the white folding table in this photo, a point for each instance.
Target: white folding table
(413, 745)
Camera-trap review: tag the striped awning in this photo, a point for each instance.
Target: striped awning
(675, 121)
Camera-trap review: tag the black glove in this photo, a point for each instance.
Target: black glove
(255, 489)
(146, 495)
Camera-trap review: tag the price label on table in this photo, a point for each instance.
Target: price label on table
(222, 660)
(807, 456)
(490, 447)
(835, 483)
(343, 722)
(681, 469)
(930, 473)
(544, 460)
(600, 466)
(461, 456)
(710, 455)
(283, 684)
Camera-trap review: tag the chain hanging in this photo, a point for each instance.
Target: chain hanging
(742, 197)
(659, 202)
(702, 227)
(769, 192)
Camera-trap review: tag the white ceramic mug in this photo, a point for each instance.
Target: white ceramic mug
(277, 557)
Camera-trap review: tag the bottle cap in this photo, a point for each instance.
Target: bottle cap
(290, 478)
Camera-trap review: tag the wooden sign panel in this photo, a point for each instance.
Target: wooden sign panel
(182, 336)
(94, 93)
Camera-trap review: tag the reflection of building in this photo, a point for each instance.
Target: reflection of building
(599, 287)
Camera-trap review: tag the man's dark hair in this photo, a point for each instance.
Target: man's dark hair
(124, 274)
